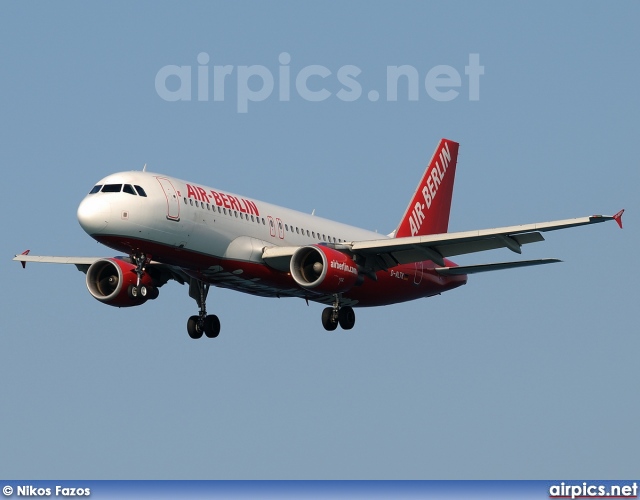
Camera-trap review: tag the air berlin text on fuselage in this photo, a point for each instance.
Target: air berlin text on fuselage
(222, 200)
(432, 182)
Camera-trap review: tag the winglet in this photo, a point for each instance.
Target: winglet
(618, 218)
(24, 264)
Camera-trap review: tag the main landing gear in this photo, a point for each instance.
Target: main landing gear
(337, 315)
(203, 323)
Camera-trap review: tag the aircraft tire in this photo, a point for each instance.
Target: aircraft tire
(152, 292)
(327, 319)
(346, 317)
(194, 330)
(212, 326)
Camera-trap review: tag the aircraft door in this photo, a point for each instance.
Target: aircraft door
(280, 229)
(173, 203)
(272, 226)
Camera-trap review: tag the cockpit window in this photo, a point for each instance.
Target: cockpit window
(112, 188)
(128, 188)
(95, 189)
(140, 191)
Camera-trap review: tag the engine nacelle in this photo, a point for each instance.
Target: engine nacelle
(323, 269)
(108, 281)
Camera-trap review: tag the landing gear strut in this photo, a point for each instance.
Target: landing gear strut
(138, 291)
(208, 325)
(338, 315)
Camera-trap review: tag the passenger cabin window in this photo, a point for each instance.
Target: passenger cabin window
(112, 188)
(95, 189)
(141, 191)
(128, 188)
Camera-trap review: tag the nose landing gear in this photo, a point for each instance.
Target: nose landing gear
(138, 291)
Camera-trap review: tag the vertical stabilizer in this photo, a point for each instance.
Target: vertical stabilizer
(428, 212)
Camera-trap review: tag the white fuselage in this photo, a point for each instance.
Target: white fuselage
(201, 219)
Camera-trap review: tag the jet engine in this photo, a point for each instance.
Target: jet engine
(111, 281)
(324, 270)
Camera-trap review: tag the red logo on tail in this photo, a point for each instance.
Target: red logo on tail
(428, 212)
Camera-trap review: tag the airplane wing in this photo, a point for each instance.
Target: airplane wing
(166, 272)
(393, 251)
(82, 263)
(386, 253)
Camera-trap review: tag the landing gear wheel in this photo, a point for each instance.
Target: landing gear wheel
(346, 318)
(328, 320)
(193, 327)
(144, 292)
(212, 326)
(133, 292)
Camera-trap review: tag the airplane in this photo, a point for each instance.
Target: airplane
(170, 229)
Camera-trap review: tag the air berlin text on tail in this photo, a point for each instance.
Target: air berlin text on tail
(433, 179)
(428, 211)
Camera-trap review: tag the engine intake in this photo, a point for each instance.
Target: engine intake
(323, 269)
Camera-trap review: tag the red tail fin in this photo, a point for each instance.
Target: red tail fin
(428, 212)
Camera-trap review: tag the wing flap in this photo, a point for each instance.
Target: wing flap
(481, 244)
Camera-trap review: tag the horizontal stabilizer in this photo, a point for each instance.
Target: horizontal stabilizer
(481, 268)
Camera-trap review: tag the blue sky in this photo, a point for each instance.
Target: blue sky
(529, 373)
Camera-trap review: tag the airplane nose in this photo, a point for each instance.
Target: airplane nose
(93, 214)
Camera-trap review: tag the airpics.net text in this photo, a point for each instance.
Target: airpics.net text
(313, 83)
